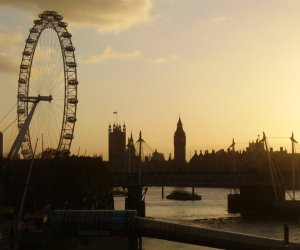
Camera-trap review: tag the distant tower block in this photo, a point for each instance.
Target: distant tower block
(1, 146)
(116, 143)
(179, 144)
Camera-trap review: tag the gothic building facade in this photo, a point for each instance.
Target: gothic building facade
(116, 144)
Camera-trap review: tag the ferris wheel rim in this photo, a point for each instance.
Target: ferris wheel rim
(52, 20)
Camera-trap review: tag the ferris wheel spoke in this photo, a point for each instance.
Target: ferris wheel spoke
(45, 72)
(55, 82)
(56, 123)
(54, 90)
(56, 115)
(45, 135)
(41, 63)
(45, 128)
(50, 137)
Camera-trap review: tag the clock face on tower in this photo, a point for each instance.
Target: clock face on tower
(180, 140)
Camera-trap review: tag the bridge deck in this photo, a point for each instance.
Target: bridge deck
(190, 179)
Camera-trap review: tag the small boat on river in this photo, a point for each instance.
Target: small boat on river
(182, 195)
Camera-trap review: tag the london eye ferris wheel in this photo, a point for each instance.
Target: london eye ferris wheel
(47, 88)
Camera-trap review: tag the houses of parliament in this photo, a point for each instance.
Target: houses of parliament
(121, 153)
(127, 157)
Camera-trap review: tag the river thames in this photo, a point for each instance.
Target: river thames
(210, 212)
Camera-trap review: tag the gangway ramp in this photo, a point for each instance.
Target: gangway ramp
(208, 237)
(127, 224)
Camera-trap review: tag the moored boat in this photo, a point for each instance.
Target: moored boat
(183, 196)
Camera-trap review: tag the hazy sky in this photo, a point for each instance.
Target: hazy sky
(230, 68)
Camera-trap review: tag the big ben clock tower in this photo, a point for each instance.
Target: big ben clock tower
(179, 144)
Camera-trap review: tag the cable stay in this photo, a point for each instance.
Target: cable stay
(274, 172)
(10, 110)
(3, 131)
(277, 178)
(140, 142)
(10, 123)
(141, 145)
(232, 145)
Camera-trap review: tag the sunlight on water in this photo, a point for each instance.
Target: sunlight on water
(210, 212)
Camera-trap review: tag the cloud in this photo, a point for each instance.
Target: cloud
(8, 65)
(166, 59)
(110, 54)
(215, 20)
(290, 2)
(104, 15)
(220, 19)
(10, 39)
(9, 44)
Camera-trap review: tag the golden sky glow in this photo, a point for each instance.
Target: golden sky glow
(230, 68)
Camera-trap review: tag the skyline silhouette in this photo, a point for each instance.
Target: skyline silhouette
(229, 68)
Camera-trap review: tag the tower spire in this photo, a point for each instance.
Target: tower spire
(131, 138)
(179, 123)
(179, 144)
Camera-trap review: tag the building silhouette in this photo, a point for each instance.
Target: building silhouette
(131, 159)
(157, 157)
(179, 144)
(116, 145)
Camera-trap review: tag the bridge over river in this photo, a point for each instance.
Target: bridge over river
(254, 191)
(190, 179)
